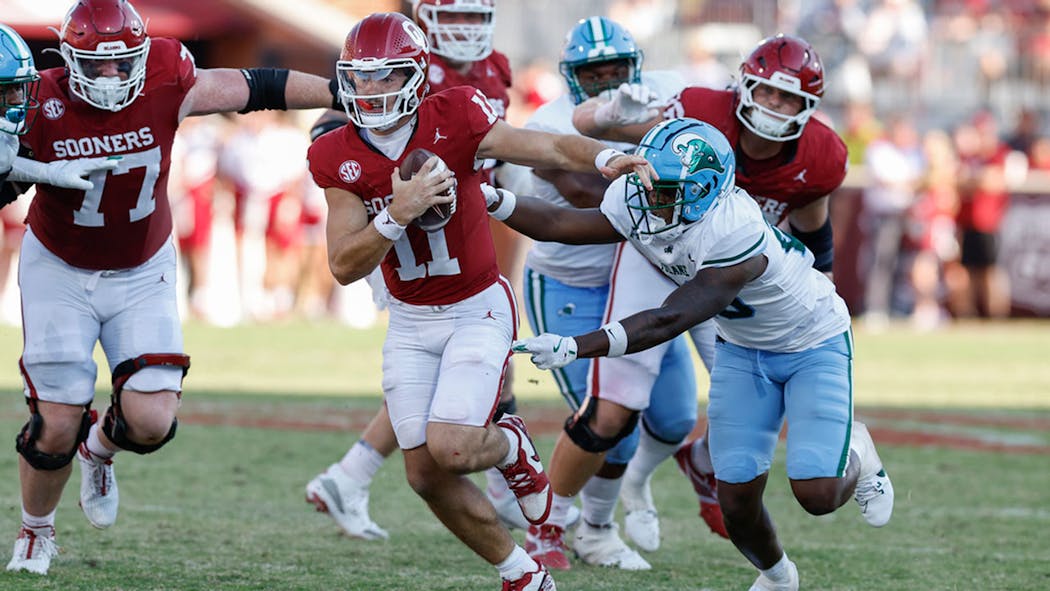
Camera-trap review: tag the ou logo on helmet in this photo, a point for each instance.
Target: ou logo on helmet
(416, 34)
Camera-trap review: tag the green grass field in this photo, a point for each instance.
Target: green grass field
(222, 506)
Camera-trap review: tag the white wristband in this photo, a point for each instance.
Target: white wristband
(617, 336)
(388, 226)
(603, 157)
(508, 200)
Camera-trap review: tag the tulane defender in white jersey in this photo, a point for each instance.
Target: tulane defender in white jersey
(784, 349)
(567, 288)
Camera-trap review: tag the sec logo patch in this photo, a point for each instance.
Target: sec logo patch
(350, 171)
(53, 108)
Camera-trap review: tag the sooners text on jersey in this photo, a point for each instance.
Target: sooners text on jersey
(422, 268)
(126, 217)
(816, 168)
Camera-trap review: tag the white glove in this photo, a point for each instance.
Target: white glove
(629, 104)
(500, 203)
(549, 351)
(8, 151)
(69, 174)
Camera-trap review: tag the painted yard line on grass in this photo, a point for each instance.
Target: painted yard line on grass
(549, 422)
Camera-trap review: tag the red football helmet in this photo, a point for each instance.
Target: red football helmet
(464, 39)
(787, 63)
(104, 45)
(382, 51)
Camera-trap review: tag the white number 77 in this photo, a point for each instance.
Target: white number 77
(89, 213)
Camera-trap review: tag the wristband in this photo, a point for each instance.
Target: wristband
(508, 200)
(388, 226)
(617, 336)
(603, 157)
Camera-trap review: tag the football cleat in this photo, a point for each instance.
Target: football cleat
(602, 546)
(641, 522)
(99, 496)
(345, 501)
(33, 552)
(874, 492)
(706, 486)
(510, 513)
(525, 476)
(546, 545)
(537, 580)
(764, 583)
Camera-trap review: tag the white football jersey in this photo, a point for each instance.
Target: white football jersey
(586, 265)
(790, 307)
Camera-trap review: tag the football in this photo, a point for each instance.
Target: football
(434, 218)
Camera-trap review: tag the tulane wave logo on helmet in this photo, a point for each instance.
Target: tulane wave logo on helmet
(696, 154)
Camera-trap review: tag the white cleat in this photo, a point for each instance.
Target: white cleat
(525, 476)
(99, 495)
(641, 523)
(874, 492)
(602, 546)
(510, 513)
(345, 501)
(537, 580)
(33, 553)
(764, 583)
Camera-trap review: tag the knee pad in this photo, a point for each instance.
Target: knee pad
(114, 425)
(25, 443)
(585, 438)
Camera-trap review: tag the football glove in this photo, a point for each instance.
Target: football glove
(69, 174)
(629, 104)
(549, 351)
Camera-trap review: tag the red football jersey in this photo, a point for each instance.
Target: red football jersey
(490, 75)
(815, 165)
(435, 268)
(126, 218)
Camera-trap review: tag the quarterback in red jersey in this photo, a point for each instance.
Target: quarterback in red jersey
(452, 315)
(98, 265)
(459, 33)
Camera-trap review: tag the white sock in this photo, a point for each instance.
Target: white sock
(39, 525)
(559, 510)
(361, 462)
(516, 565)
(778, 573)
(95, 446)
(700, 454)
(512, 452)
(651, 452)
(599, 499)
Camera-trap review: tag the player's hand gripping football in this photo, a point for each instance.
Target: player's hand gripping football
(629, 104)
(549, 351)
(429, 187)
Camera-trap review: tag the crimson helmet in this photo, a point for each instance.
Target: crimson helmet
(457, 41)
(96, 33)
(787, 63)
(380, 46)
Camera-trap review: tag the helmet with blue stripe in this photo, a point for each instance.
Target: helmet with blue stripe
(597, 40)
(18, 83)
(696, 167)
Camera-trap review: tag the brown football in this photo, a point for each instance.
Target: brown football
(434, 218)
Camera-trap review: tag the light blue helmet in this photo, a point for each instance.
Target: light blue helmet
(18, 83)
(696, 166)
(593, 40)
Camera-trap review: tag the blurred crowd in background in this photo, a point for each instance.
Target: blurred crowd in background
(944, 105)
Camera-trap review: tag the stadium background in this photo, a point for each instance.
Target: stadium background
(939, 63)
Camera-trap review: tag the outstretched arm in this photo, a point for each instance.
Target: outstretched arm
(227, 90)
(539, 149)
(704, 296)
(625, 117)
(546, 222)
